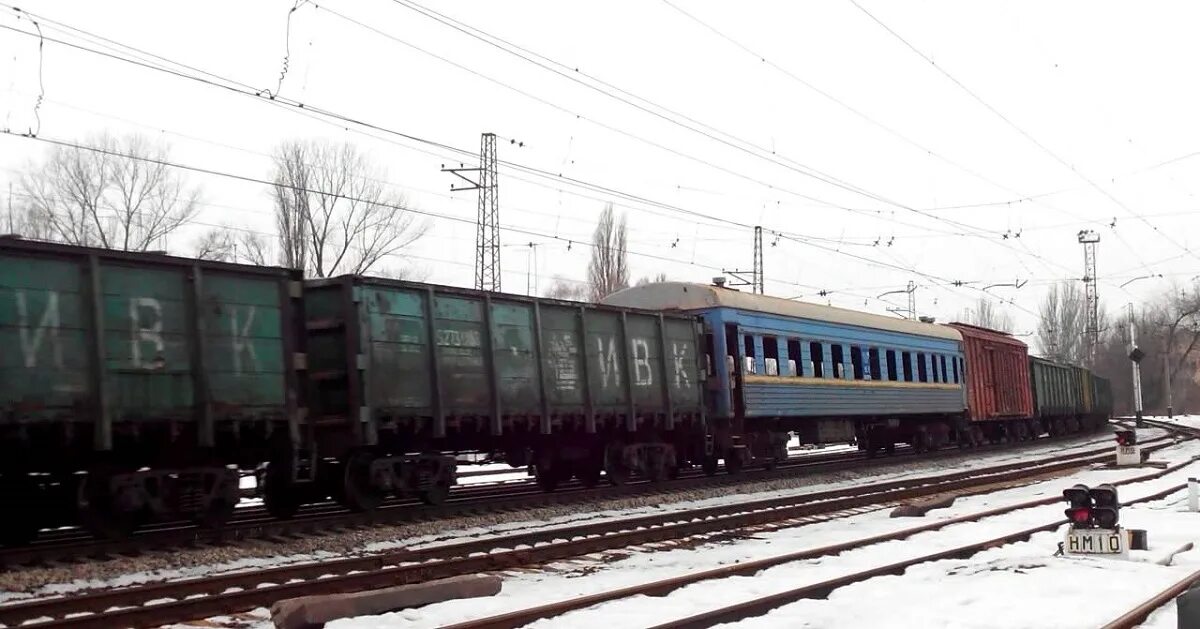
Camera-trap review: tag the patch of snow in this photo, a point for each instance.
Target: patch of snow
(981, 591)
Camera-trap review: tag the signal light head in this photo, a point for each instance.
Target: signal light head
(1105, 517)
(1093, 507)
(1079, 515)
(1078, 496)
(1104, 496)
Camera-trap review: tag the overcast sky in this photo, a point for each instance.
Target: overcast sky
(938, 127)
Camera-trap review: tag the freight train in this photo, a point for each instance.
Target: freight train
(136, 386)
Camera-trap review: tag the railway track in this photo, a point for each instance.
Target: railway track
(176, 601)
(1139, 614)
(765, 604)
(254, 523)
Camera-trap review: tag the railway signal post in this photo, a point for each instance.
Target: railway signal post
(1093, 517)
(1128, 450)
(1135, 357)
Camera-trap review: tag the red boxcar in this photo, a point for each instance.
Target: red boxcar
(997, 375)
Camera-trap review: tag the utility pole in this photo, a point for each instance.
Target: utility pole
(1167, 377)
(1088, 238)
(911, 287)
(756, 276)
(487, 237)
(1135, 357)
(531, 270)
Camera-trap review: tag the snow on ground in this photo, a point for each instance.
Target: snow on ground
(37, 582)
(1020, 585)
(1183, 420)
(916, 470)
(494, 479)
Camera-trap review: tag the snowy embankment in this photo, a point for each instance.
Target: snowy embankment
(1018, 585)
(252, 555)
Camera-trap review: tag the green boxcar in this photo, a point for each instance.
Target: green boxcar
(139, 356)
(435, 366)
(1056, 390)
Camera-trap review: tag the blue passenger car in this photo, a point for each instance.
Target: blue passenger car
(828, 374)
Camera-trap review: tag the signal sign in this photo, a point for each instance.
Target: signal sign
(1093, 515)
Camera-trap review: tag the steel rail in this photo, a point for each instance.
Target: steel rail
(411, 566)
(764, 605)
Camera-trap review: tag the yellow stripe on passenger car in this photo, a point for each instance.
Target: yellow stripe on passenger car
(835, 382)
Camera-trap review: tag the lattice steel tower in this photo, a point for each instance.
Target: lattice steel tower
(487, 239)
(1088, 239)
(756, 276)
(758, 260)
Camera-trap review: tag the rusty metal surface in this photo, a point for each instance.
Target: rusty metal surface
(998, 385)
(1139, 614)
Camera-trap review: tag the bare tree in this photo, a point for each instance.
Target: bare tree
(1168, 333)
(333, 212)
(121, 196)
(216, 244)
(22, 221)
(562, 288)
(608, 271)
(1062, 324)
(985, 314)
(229, 244)
(655, 279)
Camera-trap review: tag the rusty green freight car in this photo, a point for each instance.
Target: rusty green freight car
(157, 376)
(400, 373)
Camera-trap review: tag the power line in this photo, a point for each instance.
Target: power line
(264, 182)
(906, 139)
(310, 110)
(1020, 130)
(706, 130)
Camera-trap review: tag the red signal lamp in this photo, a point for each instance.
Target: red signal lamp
(1079, 515)
(1080, 512)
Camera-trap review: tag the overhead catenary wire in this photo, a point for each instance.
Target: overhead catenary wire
(565, 71)
(235, 87)
(265, 182)
(1055, 156)
(450, 148)
(1020, 198)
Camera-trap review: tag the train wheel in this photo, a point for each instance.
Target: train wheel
(280, 495)
(614, 465)
(733, 462)
(281, 501)
(673, 472)
(219, 512)
(548, 477)
(100, 511)
(436, 494)
(709, 465)
(589, 473)
(22, 498)
(357, 491)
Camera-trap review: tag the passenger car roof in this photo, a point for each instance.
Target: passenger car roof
(689, 297)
